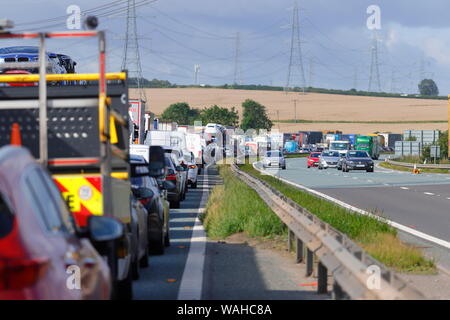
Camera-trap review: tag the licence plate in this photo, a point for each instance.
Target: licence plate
(360, 165)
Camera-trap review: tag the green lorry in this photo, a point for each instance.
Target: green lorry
(371, 144)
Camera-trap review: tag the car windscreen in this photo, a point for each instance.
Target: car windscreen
(339, 146)
(137, 181)
(275, 154)
(330, 154)
(357, 154)
(315, 155)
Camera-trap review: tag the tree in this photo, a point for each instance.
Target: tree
(428, 87)
(180, 113)
(443, 143)
(254, 116)
(216, 114)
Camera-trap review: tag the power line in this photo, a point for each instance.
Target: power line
(237, 71)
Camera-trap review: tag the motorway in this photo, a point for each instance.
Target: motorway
(197, 268)
(420, 201)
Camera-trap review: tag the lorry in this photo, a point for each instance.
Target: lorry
(196, 144)
(84, 143)
(371, 144)
(341, 146)
(136, 112)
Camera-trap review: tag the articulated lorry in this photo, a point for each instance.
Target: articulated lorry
(76, 125)
(371, 144)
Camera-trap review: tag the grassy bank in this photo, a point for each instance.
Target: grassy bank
(288, 156)
(376, 237)
(234, 207)
(400, 168)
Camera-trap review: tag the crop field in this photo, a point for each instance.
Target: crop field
(355, 114)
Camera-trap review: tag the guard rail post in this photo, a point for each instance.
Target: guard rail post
(322, 285)
(291, 239)
(299, 250)
(309, 262)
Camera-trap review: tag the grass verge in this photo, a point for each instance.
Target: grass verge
(235, 207)
(376, 237)
(288, 156)
(400, 168)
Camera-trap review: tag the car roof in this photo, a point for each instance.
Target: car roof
(137, 158)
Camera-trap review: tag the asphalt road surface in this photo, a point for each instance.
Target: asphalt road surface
(230, 270)
(419, 201)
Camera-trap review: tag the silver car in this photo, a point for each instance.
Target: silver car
(328, 159)
(274, 159)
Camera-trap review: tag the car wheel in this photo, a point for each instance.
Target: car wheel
(167, 239)
(135, 269)
(320, 168)
(143, 263)
(175, 204)
(309, 167)
(194, 185)
(125, 288)
(284, 168)
(156, 243)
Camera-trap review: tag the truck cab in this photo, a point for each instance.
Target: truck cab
(340, 146)
(370, 144)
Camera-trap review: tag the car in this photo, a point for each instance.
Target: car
(313, 159)
(179, 161)
(274, 158)
(175, 195)
(41, 249)
(192, 172)
(154, 200)
(139, 234)
(341, 159)
(328, 159)
(21, 54)
(357, 160)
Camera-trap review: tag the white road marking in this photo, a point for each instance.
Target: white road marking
(396, 225)
(192, 279)
(429, 193)
(404, 188)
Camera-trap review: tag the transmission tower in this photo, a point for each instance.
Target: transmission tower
(296, 58)
(131, 56)
(311, 72)
(374, 65)
(196, 71)
(237, 68)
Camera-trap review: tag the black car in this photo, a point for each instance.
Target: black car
(175, 196)
(153, 198)
(357, 160)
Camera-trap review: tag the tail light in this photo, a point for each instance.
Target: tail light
(21, 273)
(145, 201)
(171, 177)
(192, 167)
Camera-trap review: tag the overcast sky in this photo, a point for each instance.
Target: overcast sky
(175, 35)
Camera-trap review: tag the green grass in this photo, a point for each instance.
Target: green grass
(400, 168)
(288, 156)
(375, 236)
(235, 207)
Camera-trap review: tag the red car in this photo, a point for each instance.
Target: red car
(313, 159)
(42, 255)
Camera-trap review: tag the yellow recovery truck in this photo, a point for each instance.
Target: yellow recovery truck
(84, 143)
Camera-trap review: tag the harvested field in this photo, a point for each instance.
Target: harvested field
(314, 106)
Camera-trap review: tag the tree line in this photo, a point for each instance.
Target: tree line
(254, 115)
